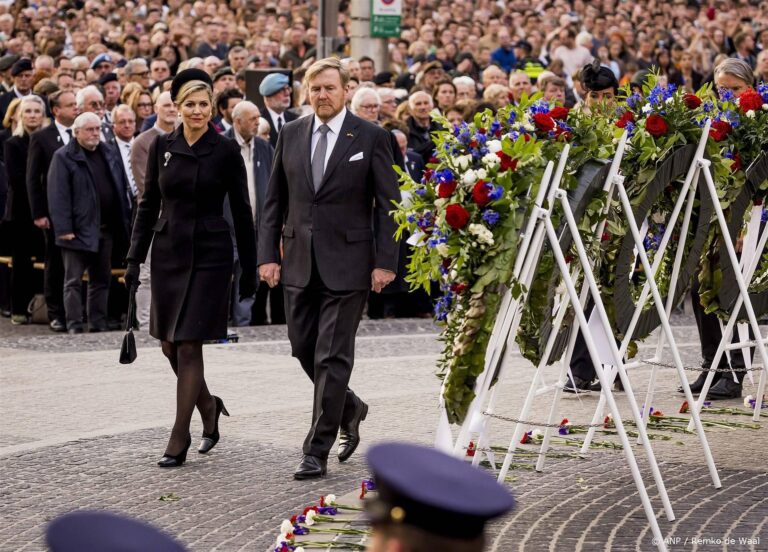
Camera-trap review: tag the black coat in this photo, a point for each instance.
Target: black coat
(337, 222)
(73, 199)
(192, 255)
(17, 204)
(288, 116)
(42, 145)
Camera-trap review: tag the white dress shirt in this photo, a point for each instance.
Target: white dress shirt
(335, 126)
(65, 136)
(274, 115)
(125, 155)
(246, 152)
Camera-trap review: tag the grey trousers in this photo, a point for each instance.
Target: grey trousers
(99, 267)
(144, 293)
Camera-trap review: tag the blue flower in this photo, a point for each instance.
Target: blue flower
(512, 117)
(495, 127)
(539, 107)
(496, 193)
(444, 176)
(491, 217)
(443, 306)
(299, 530)
(762, 89)
(764, 218)
(411, 218)
(708, 106)
(563, 430)
(633, 100)
(327, 511)
(725, 95)
(420, 191)
(370, 485)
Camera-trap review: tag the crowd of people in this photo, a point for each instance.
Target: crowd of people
(117, 61)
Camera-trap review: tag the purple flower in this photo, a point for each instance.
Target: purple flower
(370, 485)
(490, 217)
(496, 193)
(764, 218)
(299, 530)
(563, 430)
(327, 511)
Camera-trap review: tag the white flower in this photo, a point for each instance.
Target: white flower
(484, 236)
(491, 159)
(537, 434)
(440, 202)
(482, 174)
(750, 114)
(286, 527)
(765, 107)
(280, 540)
(442, 249)
(529, 127)
(747, 399)
(310, 518)
(469, 177)
(463, 161)
(647, 108)
(298, 549)
(670, 100)
(493, 145)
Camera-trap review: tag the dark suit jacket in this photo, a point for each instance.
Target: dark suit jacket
(73, 199)
(288, 116)
(336, 224)
(42, 145)
(5, 100)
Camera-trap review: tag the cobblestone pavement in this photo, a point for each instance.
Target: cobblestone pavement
(82, 431)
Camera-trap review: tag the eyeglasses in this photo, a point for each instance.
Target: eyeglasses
(142, 74)
(143, 105)
(370, 107)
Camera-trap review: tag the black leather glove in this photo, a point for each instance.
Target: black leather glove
(248, 284)
(132, 276)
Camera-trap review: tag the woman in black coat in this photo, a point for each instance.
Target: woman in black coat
(189, 171)
(27, 239)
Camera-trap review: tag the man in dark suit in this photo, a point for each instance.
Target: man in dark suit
(90, 211)
(276, 90)
(329, 197)
(257, 155)
(22, 74)
(42, 145)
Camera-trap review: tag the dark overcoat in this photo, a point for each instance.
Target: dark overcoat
(42, 145)
(17, 209)
(73, 199)
(346, 225)
(192, 257)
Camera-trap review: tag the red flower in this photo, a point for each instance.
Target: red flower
(507, 163)
(691, 101)
(568, 259)
(607, 422)
(526, 138)
(757, 201)
(559, 113)
(737, 164)
(481, 130)
(363, 490)
(543, 122)
(433, 160)
(458, 288)
(480, 193)
(456, 216)
(605, 237)
(427, 174)
(471, 449)
(473, 143)
(657, 414)
(719, 130)
(307, 509)
(322, 501)
(750, 101)
(626, 117)
(526, 439)
(561, 134)
(294, 519)
(656, 125)
(446, 189)
(565, 421)
(683, 407)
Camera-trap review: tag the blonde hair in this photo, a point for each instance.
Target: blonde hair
(31, 98)
(192, 87)
(9, 121)
(323, 65)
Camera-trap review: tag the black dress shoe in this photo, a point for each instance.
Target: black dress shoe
(617, 386)
(310, 468)
(349, 434)
(698, 385)
(726, 388)
(58, 326)
(210, 439)
(77, 329)
(174, 461)
(578, 385)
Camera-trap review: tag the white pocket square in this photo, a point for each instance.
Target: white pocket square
(356, 157)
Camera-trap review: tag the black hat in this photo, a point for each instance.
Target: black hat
(223, 72)
(107, 77)
(7, 61)
(24, 64)
(524, 45)
(598, 77)
(405, 80)
(437, 493)
(83, 530)
(382, 78)
(187, 75)
(464, 55)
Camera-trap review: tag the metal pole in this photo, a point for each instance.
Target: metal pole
(327, 20)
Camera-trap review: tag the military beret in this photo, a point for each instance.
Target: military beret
(107, 77)
(7, 61)
(188, 75)
(24, 64)
(223, 72)
(101, 58)
(382, 78)
(273, 83)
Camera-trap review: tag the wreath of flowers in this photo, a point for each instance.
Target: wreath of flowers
(466, 214)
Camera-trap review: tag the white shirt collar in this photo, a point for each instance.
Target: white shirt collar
(240, 140)
(334, 124)
(61, 128)
(274, 115)
(122, 142)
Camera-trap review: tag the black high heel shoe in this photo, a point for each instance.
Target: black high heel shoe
(210, 439)
(171, 461)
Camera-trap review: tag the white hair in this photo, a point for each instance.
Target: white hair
(263, 127)
(84, 118)
(134, 66)
(241, 107)
(359, 97)
(464, 80)
(385, 93)
(85, 92)
(162, 96)
(191, 63)
(412, 98)
(119, 108)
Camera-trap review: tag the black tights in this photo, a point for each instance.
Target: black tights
(186, 358)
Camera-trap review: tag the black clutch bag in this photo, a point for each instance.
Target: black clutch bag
(128, 347)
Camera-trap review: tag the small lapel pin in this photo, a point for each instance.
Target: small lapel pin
(167, 158)
(58, 138)
(350, 135)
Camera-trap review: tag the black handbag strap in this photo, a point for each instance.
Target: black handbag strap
(131, 316)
